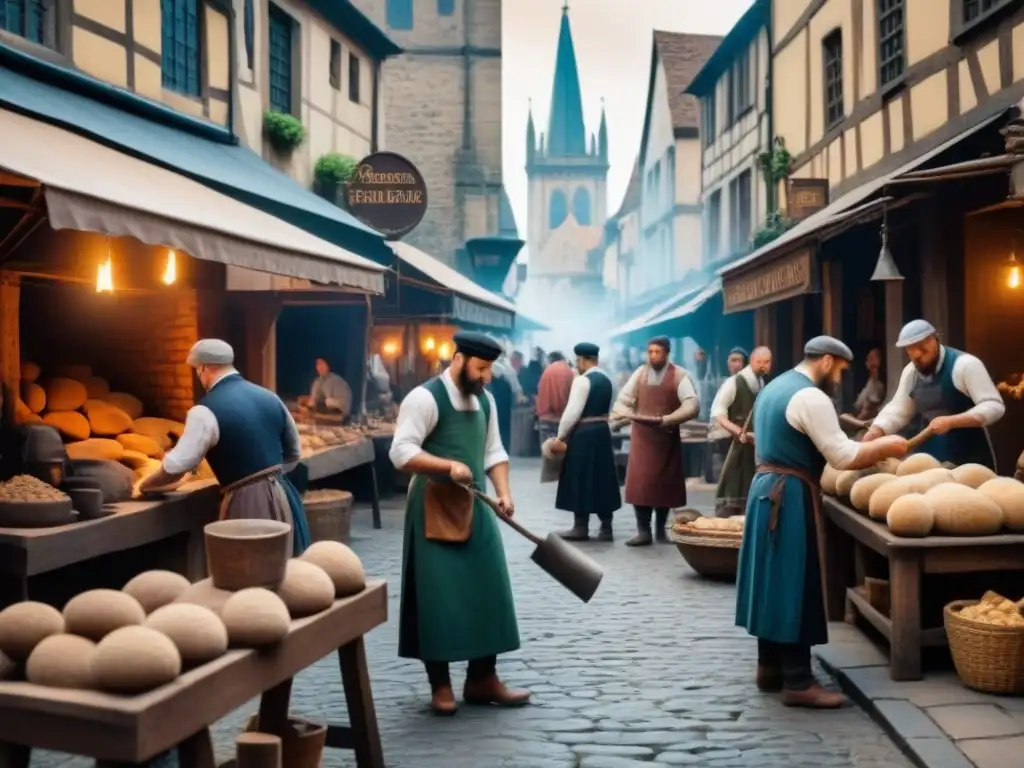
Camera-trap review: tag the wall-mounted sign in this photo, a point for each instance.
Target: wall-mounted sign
(804, 197)
(388, 193)
(791, 275)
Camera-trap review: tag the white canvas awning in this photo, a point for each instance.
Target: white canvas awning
(91, 187)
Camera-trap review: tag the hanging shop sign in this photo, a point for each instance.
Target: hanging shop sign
(388, 193)
(779, 279)
(804, 197)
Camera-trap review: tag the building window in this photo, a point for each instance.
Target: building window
(890, 41)
(335, 72)
(400, 14)
(353, 78)
(581, 206)
(739, 212)
(714, 222)
(707, 115)
(978, 10)
(445, 7)
(31, 19)
(832, 56)
(280, 29)
(739, 86)
(180, 46)
(558, 209)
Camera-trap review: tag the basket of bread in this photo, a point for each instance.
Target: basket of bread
(986, 640)
(710, 545)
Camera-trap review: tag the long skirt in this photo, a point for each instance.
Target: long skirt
(589, 483)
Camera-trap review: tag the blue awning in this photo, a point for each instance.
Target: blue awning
(228, 168)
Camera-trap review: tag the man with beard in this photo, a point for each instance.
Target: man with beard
(456, 597)
(779, 592)
(946, 390)
(733, 404)
(658, 398)
(588, 483)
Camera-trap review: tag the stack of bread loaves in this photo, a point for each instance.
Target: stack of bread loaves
(141, 637)
(95, 422)
(920, 496)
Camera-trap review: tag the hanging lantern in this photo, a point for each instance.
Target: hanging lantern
(171, 269)
(105, 274)
(885, 268)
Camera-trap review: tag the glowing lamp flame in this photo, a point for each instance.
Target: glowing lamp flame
(105, 277)
(1014, 276)
(171, 270)
(389, 348)
(445, 351)
(428, 345)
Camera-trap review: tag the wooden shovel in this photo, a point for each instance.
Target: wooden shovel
(730, 457)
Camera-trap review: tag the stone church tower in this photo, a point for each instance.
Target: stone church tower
(442, 109)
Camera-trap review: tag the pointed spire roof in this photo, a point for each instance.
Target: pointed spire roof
(566, 135)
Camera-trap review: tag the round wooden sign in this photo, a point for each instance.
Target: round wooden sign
(388, 193)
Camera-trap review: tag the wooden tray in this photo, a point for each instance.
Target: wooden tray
(36, 514)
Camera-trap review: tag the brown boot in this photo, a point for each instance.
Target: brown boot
(490, 690)
(443, 701)
(769, 679)
(814, 697)
(643, 536)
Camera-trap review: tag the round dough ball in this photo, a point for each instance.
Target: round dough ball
(155, 589)
(105, 419)
(62, 661)
(198, 633)
(256, 617)
(157, 427)
(949, 465)
(844, 484)
(306, 589)
(30, 371)
(883, 497)
(917, 462)
(963, 511)
(135, 659)
(24, 625)
(96, 387)
(1008, 494)
(134, 459)
(972, 475)
(340, 563)
(33, 396)
(860, 494)
(95, 448)
(65, 394)
(205, 594)
(922, 482)
(75, 371)
(889, 466)
(130, 404)
(911, 516)
(141, 444)
(98, 612)
(71, 424)
(828, 480)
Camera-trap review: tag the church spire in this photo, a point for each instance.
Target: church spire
(602, 135)
(566, 135)
(531, 136)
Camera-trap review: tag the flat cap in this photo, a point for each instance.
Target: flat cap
(661, 341)
(739, 351)
(915, 332)
(828, 345)
(586, 349)
(473, 344)
(210, 352)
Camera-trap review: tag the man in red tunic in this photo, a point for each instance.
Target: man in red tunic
(658, 398)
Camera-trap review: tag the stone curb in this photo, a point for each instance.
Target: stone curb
(927, 747)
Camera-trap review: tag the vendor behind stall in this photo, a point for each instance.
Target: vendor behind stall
(330, 394)
(249, 439)
(946, 390)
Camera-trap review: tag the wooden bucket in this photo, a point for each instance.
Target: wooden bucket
(329, 514)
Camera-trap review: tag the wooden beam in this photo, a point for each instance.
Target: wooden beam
(10, 332)
(11, 180)
(16, 204)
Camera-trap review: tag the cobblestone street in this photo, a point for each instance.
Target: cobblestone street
(651, 672)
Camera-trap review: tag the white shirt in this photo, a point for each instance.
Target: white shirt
(811, 412)
(685, 390)
(725, 398)
(578, 394)
(202, 432)
(418, 416)
(969, 377)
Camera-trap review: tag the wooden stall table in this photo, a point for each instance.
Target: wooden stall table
(334, 459)
(176, 521)
(130, 730)
(909, 561)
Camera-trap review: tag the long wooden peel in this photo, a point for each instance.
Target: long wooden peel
(730, 456)
(494, 505)
(914, 442)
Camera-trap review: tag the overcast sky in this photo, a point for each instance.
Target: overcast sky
(613, 51)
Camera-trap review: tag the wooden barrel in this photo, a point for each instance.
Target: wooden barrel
(329, 513)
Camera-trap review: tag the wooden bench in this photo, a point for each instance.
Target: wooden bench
(131, 730)
(909, 561)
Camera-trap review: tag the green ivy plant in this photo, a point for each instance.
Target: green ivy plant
(775, 163)
(334, 169)
(775, 167)
(284, 132)
(774, 225)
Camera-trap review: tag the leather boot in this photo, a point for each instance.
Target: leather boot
(605, 533)
(443, 700)
(660, 522)
(769, 679)
(643, 536)
(579, 531)
(490, 690)
(813, 697)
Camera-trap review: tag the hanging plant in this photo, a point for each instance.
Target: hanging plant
(331, 171)
(774, 225)
(775, 163)
(284, 132)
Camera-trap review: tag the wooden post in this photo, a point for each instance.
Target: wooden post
(934, 265)
(895, 359)
(799, 307)
(258, 750)
(10, 332)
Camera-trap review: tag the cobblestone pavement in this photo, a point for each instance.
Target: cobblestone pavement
(650, 673)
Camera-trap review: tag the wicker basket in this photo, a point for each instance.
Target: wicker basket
(987, 658)
(329, 514)
(712, 554)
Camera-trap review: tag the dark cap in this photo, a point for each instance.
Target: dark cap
(739, 351)
(828, 345)
(661, 341)
(473, 344)
(586, 349)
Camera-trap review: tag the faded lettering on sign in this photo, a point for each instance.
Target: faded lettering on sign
(388, 193)
(772, 282)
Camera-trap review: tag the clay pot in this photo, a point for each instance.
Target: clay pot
(247, 553)
(303, 745)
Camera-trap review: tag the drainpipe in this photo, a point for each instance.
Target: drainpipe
(232, 66)
(467, 80)
(375, 115)
(772, 188)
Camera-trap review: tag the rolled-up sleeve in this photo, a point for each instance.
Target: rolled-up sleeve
(417, 418)
(900, 410)
(724, 399)
(201, 433)
(971, 377)
(494, 451)
(811, 412)
(578, 395)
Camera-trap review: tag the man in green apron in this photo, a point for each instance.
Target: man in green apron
(456, 597)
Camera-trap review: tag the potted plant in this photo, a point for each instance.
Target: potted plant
(331, 172)
(284, 132)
